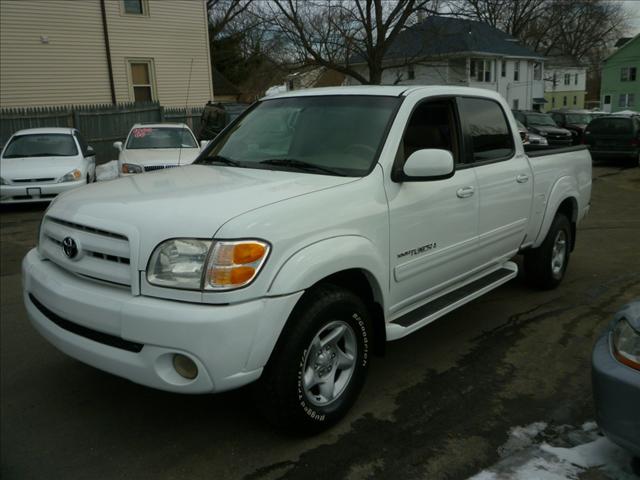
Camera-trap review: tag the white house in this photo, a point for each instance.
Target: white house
(443, 50)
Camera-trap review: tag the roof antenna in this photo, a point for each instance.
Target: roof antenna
(186, 105)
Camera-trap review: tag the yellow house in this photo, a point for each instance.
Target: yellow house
(60, 52)
(565, 84)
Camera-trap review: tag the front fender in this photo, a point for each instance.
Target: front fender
(565, 187)
(319, 260)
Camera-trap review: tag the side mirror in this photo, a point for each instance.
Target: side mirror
(428, 164)
(203, 144)
(90, 151)
(117, 146)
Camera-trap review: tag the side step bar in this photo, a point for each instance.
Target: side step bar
(435, 309)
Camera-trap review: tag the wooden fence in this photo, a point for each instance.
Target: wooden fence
(101, 125)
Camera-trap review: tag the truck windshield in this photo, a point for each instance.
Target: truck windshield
(163, 137)
(540, 120)
(578, 118)
(329, 135)
(41, 145)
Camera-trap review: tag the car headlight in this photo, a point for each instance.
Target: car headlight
(131, 168)
(626, 344)
(543, 133)
(71, 176)
(196, 264)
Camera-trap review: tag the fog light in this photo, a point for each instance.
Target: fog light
(185, 366)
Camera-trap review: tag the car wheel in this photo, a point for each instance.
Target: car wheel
(546, 265)
(319, 365)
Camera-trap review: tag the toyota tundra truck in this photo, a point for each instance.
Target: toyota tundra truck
(316, 227)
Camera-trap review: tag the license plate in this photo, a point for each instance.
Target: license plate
(34, 192)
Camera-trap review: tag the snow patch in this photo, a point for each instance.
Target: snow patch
(107, 171)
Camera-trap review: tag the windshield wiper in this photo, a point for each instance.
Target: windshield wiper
(300, 165)
(220, 159)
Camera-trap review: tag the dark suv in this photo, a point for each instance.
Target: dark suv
(542, 124)
(614, 137)
(575, 121)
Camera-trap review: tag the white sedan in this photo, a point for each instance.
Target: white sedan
(40, 163)
(158, 146)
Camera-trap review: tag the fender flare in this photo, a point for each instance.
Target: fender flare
(564, 188)
(321, 259)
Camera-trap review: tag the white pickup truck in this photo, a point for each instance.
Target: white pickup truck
(315, 228)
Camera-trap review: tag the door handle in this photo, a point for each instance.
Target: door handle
(465, 192)
(522, 178)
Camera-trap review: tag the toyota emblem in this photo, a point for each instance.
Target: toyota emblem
(70, 247)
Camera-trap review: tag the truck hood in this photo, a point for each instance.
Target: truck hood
(38, 167)
(160, 156)
(193, 201)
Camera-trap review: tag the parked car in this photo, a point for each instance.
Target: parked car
(158, 146)
(542, 124)
(575, 121)
(616, 379)
(39, 163)
(325, 223)
(614, 137)
(529, 138)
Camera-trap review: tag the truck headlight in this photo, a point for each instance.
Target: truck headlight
(72, 176)
(234, 264)
(178, 263)
(182, 263)
(131, 168)
(626, 344)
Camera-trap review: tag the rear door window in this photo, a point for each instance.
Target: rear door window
(611, 126)
(486, 128)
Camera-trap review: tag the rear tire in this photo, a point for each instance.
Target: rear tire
(546, 265)
(320, 363)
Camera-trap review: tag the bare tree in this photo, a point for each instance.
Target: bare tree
(223, 13)
(338, 34)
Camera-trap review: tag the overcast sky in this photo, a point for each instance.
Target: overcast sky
(633, 9)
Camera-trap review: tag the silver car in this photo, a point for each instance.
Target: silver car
(616, 379)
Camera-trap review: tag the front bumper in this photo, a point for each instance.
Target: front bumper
(34, 192)
(616, 391)
(230, 344)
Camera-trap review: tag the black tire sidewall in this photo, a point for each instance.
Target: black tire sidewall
(538, 261)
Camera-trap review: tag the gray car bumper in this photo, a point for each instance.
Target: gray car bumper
(616, 390)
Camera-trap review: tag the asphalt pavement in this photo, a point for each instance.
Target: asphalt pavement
(437, 406)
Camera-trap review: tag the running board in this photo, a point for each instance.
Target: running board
(435, 309)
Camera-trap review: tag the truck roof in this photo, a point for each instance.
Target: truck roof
(387, 91)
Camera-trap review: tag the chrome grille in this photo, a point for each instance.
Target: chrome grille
(151, 168)
(103, 255)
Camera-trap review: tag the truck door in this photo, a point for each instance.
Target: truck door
(433, 223)
(503, 173)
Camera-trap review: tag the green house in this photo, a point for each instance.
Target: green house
(620, 89)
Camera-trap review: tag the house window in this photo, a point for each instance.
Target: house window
(480, 70)
(607, 99)
(537, 71)
(411, 73)
(516, 104)
(134, 7)
(555, 79)
(564, 101)
(516, 71)
(142, 81)
(503, 70)
(553, 101)
(626, 100)
(567, 79)
(628, 74)
(575, 100)
(575, 79)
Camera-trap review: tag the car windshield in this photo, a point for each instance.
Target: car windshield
(160, 137)
(611, 126)
(578, 118)
(338, 134)
(540, 120)
(41, 145)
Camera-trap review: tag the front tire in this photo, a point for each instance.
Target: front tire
(546, 265)
(320, 363)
